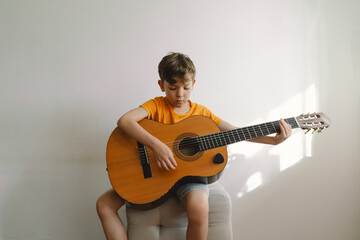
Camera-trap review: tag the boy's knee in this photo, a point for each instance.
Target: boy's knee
(101, 207)
(105, 205)
(198, 214)
(198, 211)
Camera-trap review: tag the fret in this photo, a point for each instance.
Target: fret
(273, 128)
(293, 122)
(216, 141)
(262, 134)
(290, 121)
(277, 126)
(250, 136)
(224, 138)
(205, 143)
(212, 142)
(208, 143)
(241, 135)
(241, 131)
(258, 131)
(231, 134)
(254, 131)
(267, 129)
(227, 138)
(237, 133)
(201, 143)
(231, 137)
(220, 139)
(201, 146)
(263, 130)
(197, 139)
(208, 146)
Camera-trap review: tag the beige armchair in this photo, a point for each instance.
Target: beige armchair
(169, 222)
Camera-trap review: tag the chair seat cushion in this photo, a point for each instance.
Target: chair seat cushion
(168, 221)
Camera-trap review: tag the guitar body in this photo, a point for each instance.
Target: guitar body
(143, 192)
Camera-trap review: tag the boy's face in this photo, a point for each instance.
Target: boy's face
(178, 93)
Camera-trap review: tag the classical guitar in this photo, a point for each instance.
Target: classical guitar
(199, 149)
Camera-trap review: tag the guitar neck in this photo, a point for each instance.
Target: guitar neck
(224, 138)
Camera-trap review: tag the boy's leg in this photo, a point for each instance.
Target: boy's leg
(197, 209)
(107, 207)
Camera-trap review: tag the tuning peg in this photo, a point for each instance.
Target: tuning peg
(308, 130)
(320, 130)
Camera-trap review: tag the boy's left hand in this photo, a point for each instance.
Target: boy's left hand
(285, 133)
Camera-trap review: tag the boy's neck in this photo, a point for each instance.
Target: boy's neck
(181, 110)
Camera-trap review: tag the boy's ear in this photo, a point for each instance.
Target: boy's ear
(161, 85)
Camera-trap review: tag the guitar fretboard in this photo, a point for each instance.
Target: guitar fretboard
(224, 138)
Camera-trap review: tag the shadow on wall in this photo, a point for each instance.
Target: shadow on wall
(251, 165)
(52, 194)
(50, 190)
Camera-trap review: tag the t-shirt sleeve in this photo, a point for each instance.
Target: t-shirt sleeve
(216, 119)
(150, 107)
(208, 113)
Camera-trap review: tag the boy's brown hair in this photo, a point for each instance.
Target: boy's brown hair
(176, 64)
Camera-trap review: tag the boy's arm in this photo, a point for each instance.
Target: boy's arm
(129, 124)
(285, 133)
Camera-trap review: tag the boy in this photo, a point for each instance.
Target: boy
(177, 79)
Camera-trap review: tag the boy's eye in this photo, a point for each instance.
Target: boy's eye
(172, 89)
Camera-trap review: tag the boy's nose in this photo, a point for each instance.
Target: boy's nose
(180, 92)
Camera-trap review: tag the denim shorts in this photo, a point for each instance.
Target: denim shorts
(186, 188)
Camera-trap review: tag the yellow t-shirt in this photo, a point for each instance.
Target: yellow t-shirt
(160, 110)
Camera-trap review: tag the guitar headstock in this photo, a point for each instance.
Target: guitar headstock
(316, 121)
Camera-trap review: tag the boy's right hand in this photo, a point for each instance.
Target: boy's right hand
(164, 156)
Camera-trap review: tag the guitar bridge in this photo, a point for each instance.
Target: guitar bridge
(144, 160)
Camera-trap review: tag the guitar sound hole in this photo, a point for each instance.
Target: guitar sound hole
(189, 147)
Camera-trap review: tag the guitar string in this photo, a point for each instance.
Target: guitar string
(215, 137)
(251, 131)
(193, 147)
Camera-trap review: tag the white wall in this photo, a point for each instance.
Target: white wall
(69, 69)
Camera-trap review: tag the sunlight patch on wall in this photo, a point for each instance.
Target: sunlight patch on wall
(291, 151)
(310, 104)
(298, 146)
(246, 149)
(253, 182)
(308, 145)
